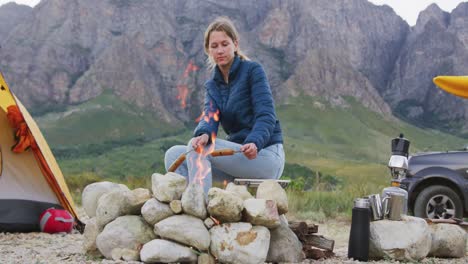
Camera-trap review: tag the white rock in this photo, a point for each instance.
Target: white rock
(224, 206)
(164, 251)
(92, 193)
(261, 212)
(271, 190)
(284, 244)
(125, 254)
(168, 187)
(112, 205)
(193, 201)
(239, 243)
(154, 211)
(448, 241)
(205, 258)
(130, 254)
(185, 229)
(138, 199)
(406, 240)
(240, 190)
(209, 223)
(128, 231)
(176, 206)
(90, 233)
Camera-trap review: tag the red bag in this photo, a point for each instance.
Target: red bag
(56, 220)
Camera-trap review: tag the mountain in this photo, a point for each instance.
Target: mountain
(12, 14)
(437, 45)
(149, 54)
(68, 52)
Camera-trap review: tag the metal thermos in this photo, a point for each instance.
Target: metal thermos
(358, 247)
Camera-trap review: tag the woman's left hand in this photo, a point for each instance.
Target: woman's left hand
(249, 150)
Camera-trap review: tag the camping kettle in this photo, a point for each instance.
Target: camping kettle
(358, 247)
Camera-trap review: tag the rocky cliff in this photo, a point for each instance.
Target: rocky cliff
(150, 53)
(437, 45)
(11, 14)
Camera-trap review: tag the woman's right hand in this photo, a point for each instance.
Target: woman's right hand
(199, 142)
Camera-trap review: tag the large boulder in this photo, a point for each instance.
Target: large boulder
(168, 187)
(128, 231)
(164, 251)
(91, 231)
(448, 241)
(224, 206)
(112, 205)
(185, 229)
(193, 201)
(239, 243)
(240, 190)
(261, 212)
(92, 193)
(284, 244)
(154, 211)
(406, 240)
(271, 190)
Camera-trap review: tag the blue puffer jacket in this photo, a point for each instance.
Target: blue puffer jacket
(245, 105)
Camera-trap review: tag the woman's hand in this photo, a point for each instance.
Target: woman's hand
(250, 150)
(199, 142)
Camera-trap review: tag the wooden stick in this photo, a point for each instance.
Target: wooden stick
(455, 221)
(177, 163)
(216, 153)
(222, 152)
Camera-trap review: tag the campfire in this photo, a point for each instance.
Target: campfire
(177, 222)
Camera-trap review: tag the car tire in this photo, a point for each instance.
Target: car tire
(434, 200)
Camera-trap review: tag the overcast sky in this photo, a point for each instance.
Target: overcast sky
(407, 9)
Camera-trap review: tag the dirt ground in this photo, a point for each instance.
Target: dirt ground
(38, 248)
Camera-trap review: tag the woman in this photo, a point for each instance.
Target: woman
(239, 97)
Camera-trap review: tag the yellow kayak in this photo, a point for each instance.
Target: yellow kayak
(457, 85)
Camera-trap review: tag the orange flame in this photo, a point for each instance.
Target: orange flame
(182, 87)
(203, 168)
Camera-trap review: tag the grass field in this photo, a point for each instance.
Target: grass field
(106, 139)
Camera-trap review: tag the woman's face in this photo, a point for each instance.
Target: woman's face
(221, 48)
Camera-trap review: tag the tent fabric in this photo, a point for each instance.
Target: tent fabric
(30, 171)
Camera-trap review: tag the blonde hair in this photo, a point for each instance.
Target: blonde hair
(225, 25)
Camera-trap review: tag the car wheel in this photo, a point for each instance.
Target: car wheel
(438, 202)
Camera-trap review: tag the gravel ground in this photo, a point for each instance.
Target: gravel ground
(67, 248)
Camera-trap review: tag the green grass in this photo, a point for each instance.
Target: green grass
(107, 139)
(105, 118)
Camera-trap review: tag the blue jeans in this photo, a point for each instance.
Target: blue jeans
(268, 164)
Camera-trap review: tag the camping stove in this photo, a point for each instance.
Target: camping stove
(398, 163)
